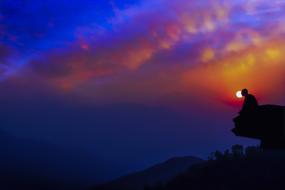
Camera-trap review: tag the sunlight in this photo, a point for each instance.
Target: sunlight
(238, 94)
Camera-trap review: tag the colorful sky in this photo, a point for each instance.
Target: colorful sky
(180, 61)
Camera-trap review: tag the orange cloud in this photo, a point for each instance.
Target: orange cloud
(168, 47)
(260, 69)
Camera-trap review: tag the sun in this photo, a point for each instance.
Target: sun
(238, 94)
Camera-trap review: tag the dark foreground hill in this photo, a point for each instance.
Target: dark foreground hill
(158, 174)
(263, 171)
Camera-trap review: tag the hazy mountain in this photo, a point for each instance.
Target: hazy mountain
(158, 174)
(31, 164)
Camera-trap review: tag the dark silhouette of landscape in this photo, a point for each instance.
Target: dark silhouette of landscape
(157, 174)
(252, 169)
(239, 168)
(255, 167)
(36, 165)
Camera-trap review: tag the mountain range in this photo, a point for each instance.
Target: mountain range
(157, 174)
(34, 164)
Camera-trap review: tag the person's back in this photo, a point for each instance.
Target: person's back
(250, 103)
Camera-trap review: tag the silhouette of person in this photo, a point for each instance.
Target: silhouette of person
(250, 102)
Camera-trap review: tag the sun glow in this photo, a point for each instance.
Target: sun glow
(238, 94)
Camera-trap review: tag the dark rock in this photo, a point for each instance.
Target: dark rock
(266, 123)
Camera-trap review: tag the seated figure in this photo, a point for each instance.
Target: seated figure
(263, 122)
(250, 103)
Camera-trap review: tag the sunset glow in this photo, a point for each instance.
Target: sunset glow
(166, 46)
(238, 94)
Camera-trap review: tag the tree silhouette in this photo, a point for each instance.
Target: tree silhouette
(237, 151)
(252, 151)
(219, 155)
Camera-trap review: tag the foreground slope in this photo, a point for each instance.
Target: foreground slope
(158, 174)
(263, 171)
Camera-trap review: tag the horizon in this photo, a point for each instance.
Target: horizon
(132, 83)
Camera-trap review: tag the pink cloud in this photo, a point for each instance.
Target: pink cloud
(151, 46)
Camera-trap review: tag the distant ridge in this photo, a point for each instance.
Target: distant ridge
(37, 165)
(157, 174)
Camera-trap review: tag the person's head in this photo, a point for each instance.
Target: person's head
(244, 92)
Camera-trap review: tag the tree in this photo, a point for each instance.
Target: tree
(219, 155)
(251, 151)
(237, 151)
(227, 154)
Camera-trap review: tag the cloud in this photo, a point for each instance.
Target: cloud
(155, 44)
(5, 52)
(138, 35)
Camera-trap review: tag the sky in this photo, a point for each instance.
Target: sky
(137, 81)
